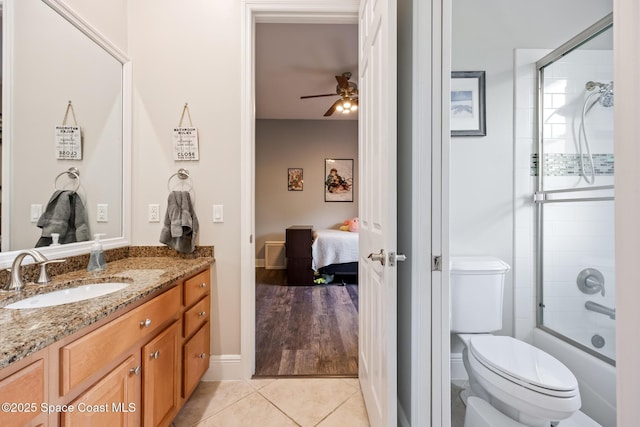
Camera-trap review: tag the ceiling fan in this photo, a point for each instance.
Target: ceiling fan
(348, 93)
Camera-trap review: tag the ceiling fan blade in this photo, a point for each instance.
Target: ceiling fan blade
(343, 82)
(317, 96)
(332, 108)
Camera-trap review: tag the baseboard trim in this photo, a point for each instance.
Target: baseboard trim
(458, 372)
(224, 367)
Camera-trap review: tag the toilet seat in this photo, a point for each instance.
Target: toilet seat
(524, 365)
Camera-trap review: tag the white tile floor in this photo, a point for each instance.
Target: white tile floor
(322, 402)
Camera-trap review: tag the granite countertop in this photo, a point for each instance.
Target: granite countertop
(26, 331)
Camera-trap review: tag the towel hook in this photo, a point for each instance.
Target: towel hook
(72, 173)
(182, 174)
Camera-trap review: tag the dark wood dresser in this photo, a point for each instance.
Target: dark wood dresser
(298, 251)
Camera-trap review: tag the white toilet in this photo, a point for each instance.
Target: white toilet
(522, 382)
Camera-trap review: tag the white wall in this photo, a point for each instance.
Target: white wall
(482, 168)
(109, 18)
(627, 125)
(283, 144)
(190, 52)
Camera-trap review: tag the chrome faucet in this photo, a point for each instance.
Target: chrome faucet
(599, 308)
(15, 282)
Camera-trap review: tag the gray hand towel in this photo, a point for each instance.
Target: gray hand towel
(180, 223)
(65, 214)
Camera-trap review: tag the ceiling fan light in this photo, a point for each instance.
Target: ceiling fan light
(354, 107)
(339, 107)
(346, 104)
(346, 111)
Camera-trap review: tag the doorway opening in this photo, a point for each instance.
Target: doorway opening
(306, 312)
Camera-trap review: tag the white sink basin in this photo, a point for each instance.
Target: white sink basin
(65, 296)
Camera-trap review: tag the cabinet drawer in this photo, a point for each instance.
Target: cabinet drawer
(196, 316)
(26, 390)
(196, 287)
(83, 357)
(195, 359)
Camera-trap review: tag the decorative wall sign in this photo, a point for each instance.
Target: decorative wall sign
(468, 103)
(295, 181)
(338, 183)
(68, 139)
(185, 139)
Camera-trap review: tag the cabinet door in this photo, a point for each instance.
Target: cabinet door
(160, 377)
(113, 401)
(196, 358)
(24, 392)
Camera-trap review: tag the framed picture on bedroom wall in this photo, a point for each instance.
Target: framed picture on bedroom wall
(294, 179)
(338, 183)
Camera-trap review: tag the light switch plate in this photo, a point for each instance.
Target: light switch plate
(218, 213)
(36, 213)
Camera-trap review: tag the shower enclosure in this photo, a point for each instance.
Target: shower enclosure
(574, 197)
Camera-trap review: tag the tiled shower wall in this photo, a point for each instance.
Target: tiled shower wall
(577, 235)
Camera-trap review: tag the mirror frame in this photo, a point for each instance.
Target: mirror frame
(80, 248)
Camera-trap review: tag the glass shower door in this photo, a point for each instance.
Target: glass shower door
(575, 211)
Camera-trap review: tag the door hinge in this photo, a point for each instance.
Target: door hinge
(436, 263)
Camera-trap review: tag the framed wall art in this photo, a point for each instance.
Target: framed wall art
(338, 183)
(295, 181)
(468, 103)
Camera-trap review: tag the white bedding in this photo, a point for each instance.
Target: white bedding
(334, 247)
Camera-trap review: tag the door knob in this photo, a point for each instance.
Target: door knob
(377, 257)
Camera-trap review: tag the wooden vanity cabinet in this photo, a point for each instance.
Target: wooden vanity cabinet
(112, 401)
(161, 377)
(136, 369)
(24, 386)
(196, 331)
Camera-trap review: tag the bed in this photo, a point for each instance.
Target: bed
(335, 252)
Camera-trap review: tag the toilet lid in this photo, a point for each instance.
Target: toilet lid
(523, 363)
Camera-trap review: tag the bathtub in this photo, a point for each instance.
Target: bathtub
(597, 379)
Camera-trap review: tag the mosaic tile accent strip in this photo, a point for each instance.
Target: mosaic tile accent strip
(560, 164)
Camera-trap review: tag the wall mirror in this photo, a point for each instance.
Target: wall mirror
(52, 57)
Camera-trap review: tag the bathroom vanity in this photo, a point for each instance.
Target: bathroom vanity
(128, 358)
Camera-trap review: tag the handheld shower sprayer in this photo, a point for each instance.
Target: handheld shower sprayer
(604, 93)
(604, 89)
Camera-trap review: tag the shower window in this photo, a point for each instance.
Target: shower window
(575, 216)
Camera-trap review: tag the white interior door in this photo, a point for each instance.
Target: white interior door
(378, 229)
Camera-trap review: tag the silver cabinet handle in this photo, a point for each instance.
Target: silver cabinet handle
(202, 313)
(203, 285)
(377, 257)
(155, 355)
(145, 323)
(136, 370)
(202, 355)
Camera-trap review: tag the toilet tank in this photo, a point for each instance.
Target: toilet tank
(477, 288)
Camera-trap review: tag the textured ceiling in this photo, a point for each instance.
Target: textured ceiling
(293, 60)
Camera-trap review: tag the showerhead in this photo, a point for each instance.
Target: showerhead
(606, 92)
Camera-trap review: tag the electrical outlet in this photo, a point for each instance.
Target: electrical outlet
(154, 212)
(103, 212)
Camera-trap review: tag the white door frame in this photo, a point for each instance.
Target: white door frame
(275, 11)
(430, 399)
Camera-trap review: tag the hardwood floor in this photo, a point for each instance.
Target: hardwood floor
(305, 330)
